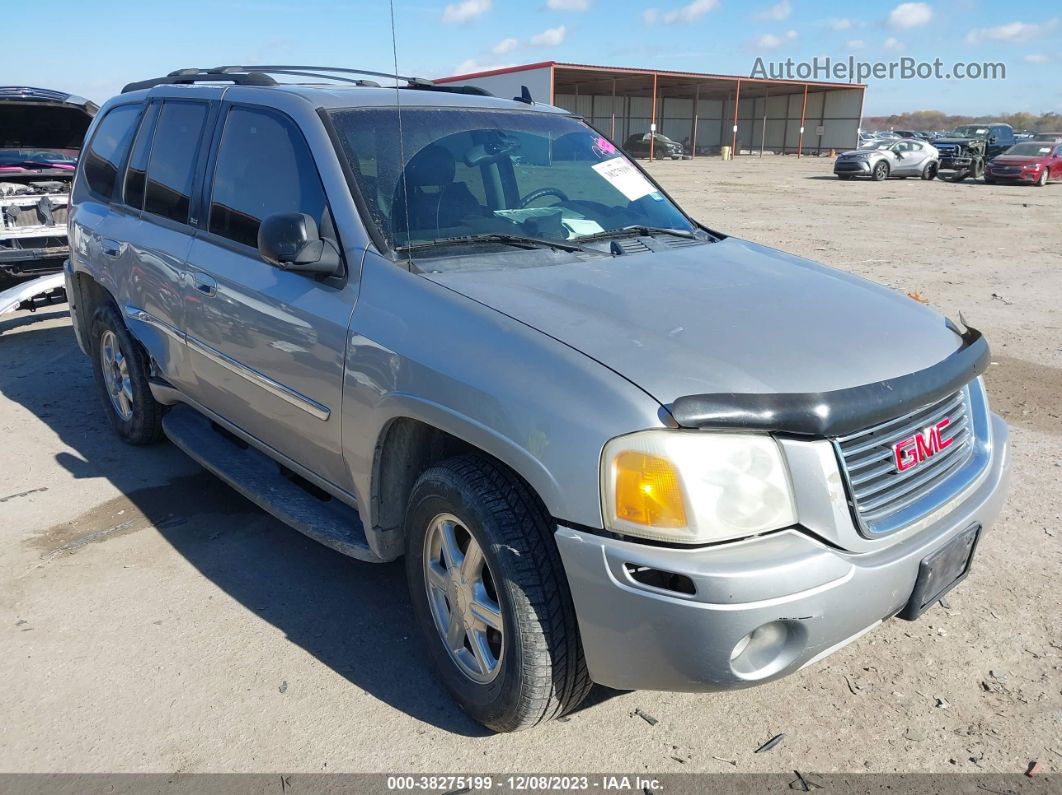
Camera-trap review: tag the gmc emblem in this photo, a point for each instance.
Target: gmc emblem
(915, 449)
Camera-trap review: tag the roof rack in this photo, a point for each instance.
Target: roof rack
(260, 76)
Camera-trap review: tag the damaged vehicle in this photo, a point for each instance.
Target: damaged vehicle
(612, 444)
(966, 149)
(41, 132)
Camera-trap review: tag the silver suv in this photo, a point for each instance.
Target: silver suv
(612, 444)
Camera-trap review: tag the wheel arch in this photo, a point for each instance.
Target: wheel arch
(417, 434)
(88, 295)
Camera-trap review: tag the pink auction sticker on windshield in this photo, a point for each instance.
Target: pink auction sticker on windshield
(603, 147)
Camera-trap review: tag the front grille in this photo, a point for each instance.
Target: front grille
(876, 488)
(1005, 170)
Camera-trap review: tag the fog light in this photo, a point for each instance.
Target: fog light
(767, 649)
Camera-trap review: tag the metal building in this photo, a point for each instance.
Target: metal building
(750, 115)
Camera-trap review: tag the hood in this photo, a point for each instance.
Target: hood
(962, 141)
(851, 152)
(37, 118)
(1016, 160)
(730, 316)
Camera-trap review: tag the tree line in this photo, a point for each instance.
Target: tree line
(938, 120)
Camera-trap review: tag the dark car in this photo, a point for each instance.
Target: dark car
(1048, 136)
(965, 150)
(40, 136)
(1036, 162)
(638, 146)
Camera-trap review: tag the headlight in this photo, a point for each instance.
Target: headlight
(695, 487)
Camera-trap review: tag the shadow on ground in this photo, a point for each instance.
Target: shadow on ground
(354, 617)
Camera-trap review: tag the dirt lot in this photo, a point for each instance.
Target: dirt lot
(151, 620)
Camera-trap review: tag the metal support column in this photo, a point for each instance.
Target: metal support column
(652, 122)
(763, 123)
(613, 135)
(737, 107)
(693, 136)
(803, 112)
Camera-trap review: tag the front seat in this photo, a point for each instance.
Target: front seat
(434, 201)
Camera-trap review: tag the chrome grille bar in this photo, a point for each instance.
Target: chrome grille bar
(868, 459)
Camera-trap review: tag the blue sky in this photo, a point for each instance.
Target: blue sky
(92, 49)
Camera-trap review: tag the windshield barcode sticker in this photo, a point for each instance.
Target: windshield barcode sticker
(625, 178)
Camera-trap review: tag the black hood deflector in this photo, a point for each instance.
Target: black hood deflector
(841, 411)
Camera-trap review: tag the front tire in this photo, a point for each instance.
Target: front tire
(880, 172)
(1045, 175)
(490, 595)
(121, 369)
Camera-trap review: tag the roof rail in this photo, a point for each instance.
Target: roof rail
(260, 76)
(227, 74)
(282, 69)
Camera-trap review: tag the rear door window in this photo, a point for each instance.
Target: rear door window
(171, 165)
(263, 167)
(108, 149)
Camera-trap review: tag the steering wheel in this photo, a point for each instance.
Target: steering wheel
(540, 192)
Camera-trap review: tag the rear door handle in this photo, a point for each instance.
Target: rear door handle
(205, 284)
(112, 248)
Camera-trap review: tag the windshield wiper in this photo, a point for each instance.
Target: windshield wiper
(637, 229)
(520, 241)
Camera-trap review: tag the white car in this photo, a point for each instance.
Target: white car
(889, 157)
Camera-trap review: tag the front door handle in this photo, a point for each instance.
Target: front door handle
(205, 284)
(111, 248)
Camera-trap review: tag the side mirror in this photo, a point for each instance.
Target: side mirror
(291, 242)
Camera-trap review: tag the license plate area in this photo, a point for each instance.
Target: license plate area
(941, 571)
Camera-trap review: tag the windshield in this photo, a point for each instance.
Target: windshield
(457, 172)
(1030, 150)
(38, 158)
(969, 131)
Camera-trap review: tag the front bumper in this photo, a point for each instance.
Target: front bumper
(1020, 175)
(813, 597)
(948, 163)
(852, 167)
(33, 261)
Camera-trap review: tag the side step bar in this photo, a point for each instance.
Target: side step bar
(258, 478)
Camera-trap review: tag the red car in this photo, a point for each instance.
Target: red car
(1038, 162)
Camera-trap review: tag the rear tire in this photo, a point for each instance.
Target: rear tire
(930, 171)
(880, 172)
(514, 607)
(121, 369)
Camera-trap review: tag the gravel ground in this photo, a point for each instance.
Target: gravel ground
(151, 620)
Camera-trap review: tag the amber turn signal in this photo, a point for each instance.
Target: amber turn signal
(648, 491)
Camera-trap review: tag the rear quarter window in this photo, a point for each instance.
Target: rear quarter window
(108, 149)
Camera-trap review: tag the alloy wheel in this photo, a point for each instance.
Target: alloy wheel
(116, 375)
(463, 599)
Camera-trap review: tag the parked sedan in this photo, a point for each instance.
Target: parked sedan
(638, 146)
(889, 157)
(1037, 162)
